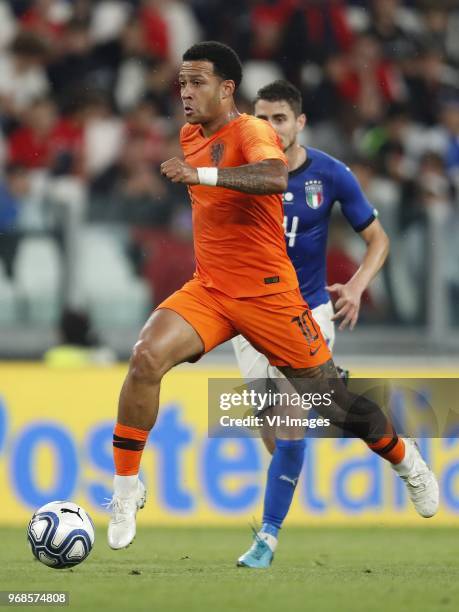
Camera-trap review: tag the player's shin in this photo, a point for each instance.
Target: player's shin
(389, 447)
(283, 473)
(128, 445)
(366, 420)
(137, 412)
(129, 492)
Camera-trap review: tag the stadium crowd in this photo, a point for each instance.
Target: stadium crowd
(89, 107)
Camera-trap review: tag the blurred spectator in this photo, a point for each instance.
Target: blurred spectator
(89, 108)
(434, 212)
(267, 23)
(372, 83)
(432, 80)
(433, 187)
(103, 134)
(31, 144)
(393, 130)
(435, 21)
(450, 121)
(182, 27)
(47, 141)
(358, 87)
(394, 27)
(22, 74)
(313, 31)
(79, 345)
(145, 121)
(46, 18)
(108, 20)
(321, 97)
(132, 189)
(396, 147)
(133, 58)
(452, 40)
(72, 70)
(82, 10)
(141, 74)
(160, 81)
(13, 189)
(8, 25)
(155, 29)
(228, 22)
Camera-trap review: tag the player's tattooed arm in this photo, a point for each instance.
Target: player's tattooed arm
(263, 178)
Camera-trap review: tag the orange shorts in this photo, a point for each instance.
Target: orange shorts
(279, 325)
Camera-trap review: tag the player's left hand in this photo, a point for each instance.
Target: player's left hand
(179, 171)
(347, 304)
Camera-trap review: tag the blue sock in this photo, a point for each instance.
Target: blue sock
(283, 473)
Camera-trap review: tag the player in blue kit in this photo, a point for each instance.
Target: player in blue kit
(316, 182)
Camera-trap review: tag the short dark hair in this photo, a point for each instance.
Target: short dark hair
(280, 91)
(225, 60)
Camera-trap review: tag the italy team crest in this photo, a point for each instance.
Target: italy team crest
(314, 193)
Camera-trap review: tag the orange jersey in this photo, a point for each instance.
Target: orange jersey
(238, 237)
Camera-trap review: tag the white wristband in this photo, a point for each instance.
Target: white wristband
(208, 176)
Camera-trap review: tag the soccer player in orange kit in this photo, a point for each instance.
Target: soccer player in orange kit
(244, 283)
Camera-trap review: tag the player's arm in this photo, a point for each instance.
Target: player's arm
(263, 177)
(264, 173)
(362, 216)
(347, 304)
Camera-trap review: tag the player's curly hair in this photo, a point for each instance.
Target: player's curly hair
(279, 91)
(225, 60)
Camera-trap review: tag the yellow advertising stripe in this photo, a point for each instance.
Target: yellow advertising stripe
(55, 443)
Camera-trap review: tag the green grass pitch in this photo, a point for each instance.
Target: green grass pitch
(193, 569)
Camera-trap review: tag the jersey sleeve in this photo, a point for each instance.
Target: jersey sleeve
(259, 141)
(354, 204)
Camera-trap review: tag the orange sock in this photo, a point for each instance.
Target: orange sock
(391, 448)
(128, 445)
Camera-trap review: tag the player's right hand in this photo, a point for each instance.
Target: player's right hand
(178, 171)
(347, 304)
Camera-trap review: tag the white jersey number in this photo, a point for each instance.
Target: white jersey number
(291, 235)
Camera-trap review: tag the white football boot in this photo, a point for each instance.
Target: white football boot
(421, 483)
(122, 525)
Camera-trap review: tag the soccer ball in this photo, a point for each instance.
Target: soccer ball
(61, 534)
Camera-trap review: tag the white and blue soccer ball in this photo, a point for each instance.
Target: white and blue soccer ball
(61, 534)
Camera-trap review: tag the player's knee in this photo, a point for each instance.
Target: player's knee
(148, 363)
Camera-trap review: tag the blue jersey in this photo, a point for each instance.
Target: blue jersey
(312, 190)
